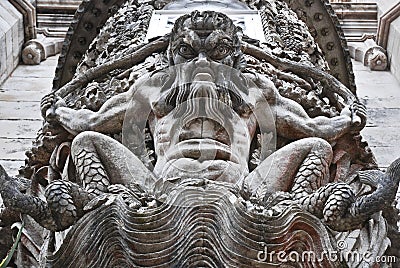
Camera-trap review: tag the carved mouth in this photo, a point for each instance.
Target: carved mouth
(203, 74)
(202, 149)
(203, 77)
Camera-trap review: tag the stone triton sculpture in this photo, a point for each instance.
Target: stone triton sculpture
(202, 148)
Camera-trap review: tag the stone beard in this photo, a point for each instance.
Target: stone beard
(202, 128)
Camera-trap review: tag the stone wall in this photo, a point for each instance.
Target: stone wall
(393, 48)
(11, 38)
(388, 35)
(384, 6)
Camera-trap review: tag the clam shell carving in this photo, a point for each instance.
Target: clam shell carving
(209, 226)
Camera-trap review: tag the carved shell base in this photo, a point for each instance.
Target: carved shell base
(196, 226)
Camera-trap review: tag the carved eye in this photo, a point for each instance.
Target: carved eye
(186, 51)
(221, 51)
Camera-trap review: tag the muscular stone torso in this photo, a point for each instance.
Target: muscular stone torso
(200, 133)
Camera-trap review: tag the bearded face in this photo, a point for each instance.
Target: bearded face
(208, 35)
(202, 108)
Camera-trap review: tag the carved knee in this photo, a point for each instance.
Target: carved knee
(321, 147)
(82, 140)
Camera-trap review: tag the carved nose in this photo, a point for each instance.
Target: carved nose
(202, 60)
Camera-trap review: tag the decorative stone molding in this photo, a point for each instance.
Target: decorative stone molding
(54, 17)
(384, 25)
(370, 54)
(36, 50)
(358, 20)
(44, 33)
(375, 56)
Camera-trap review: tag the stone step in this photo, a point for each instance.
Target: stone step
(347, 24)
(55, 20)
(357, 19)
(353, 33)
(370, 15)
(355, 10)
(57, 6)
(54, 17)
(358, 28)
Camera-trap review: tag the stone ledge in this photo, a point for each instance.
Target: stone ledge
(12, 167)
(11, 41)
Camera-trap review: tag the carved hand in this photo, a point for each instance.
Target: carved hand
(49, 105)
(358, 116)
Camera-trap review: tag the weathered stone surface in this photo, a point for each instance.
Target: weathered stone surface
(10, 39)
(393, 48)
(20, 110)
(17, 129)
(386, 155)
(383, 103)
(3, 58)
(384, 117)
(33, 84)
(381, 136)
(12, 95)
(381, 140)
(376, 85)
(14, 149)
(44, 70)
(12, 166)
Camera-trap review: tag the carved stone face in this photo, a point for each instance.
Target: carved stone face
(201, 126)
(207, 36)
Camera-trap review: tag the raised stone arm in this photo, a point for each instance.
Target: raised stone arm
(294, 123)
(108, 119)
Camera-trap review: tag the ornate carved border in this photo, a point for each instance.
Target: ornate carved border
(329, 35)
(89, 17)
